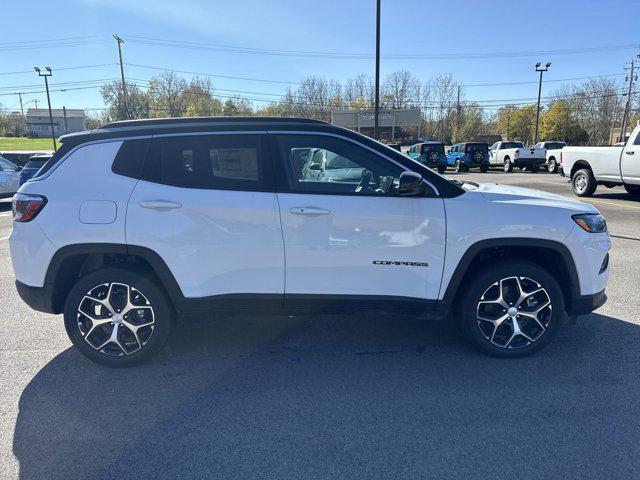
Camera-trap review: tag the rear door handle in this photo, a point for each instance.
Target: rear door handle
(309, 211)
(160, 205)
(630, 152)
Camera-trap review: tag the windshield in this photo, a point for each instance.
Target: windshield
(512, 145)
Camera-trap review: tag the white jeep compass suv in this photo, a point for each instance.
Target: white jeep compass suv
(140, 224)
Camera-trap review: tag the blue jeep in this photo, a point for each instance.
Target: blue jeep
(430, 154)
(463, 156)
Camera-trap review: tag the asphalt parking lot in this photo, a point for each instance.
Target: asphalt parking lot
(332, 396)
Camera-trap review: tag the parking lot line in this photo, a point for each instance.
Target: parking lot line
(5, 214)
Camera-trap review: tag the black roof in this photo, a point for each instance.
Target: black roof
(130, 128)
(181, 121)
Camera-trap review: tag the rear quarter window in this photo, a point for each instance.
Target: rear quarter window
(130, 158)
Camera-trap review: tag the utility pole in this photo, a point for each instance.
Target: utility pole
(119, 41)
(631, 78)
(36, 102)
(376, 113)
(21, 107)
(458, 115)
(541, 70)
(46, 85)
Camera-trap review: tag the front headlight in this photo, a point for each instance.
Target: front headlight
(591, 222)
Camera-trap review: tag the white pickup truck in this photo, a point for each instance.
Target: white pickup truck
(514, 154)
(589, 167)
(553, 153)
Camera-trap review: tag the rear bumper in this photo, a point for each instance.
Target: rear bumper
(585, 304)
(38, 298)
(529, 162)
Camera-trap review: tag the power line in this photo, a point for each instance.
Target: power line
(77, 67)
(366, 55)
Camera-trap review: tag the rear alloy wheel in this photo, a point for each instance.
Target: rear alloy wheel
(583, 183)
(512, 310)
(632, 189)
(508, 166)
(458, 166)
(117, 317)
(552, 167)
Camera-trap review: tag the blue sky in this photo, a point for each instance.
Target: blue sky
(433, 28)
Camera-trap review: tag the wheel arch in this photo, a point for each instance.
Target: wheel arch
(549, 254)
(71, 262)
(578, 165)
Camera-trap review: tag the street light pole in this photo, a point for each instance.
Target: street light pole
(376, 114)
(541, 70)
(46, 85)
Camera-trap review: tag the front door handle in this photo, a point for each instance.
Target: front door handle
(309, 211)
(160, 205)
(630, 152)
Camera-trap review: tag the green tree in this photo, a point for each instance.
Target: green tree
(558, 123)
(137, 101)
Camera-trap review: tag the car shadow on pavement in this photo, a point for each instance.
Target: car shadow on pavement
(341, 397)
(5, 205)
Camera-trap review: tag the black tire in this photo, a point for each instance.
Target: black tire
(506, 343)
(484, 168)
(583, 182)
(153, 306)
(457, 166)
(534, 169)
(442, 168)
(508, 166)
(632, 189)
(552, 166)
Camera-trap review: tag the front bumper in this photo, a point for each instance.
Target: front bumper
(585, 304)
(38, 298)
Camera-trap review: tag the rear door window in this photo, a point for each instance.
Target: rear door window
(205, 161)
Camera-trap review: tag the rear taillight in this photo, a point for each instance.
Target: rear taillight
(26, 207)
(560, 157)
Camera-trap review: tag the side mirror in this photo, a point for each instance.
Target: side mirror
(411, 184)
(315, 166)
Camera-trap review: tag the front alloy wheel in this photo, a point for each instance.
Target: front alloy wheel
(117, 317)
(514, 312)
(553, 166)
(510, 309)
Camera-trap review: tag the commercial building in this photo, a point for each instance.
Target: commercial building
(64, 121)
(395, 125)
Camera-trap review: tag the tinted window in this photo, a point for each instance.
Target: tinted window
(216, 161)
(476, 147)
(554, 145)
(130, 158)
(432, 147)
(335, 166)
(6, 165)
(35, 163)
(512, 145)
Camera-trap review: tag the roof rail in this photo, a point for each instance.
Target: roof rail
(149, 122)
